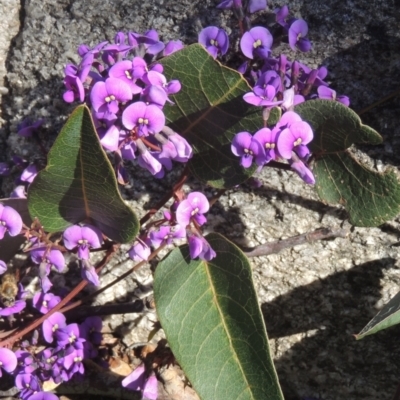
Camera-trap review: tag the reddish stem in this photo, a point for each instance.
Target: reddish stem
(176, 187)
(21, 332)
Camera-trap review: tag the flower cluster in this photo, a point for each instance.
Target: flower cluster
(127, 97)
(69, 344)
(277, 83)
(182, 221)
(288, 140)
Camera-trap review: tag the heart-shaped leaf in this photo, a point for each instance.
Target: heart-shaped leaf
(387, 317)
(370, 197)
(212, 320)
(79, 184)
(335, 126)
(208, 111)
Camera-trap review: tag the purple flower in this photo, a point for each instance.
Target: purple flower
(105, 96)
(146, 119)
(8, 360)
(27, 128)
(4, 169)
(69, 335)
(3, 267)
(51, 257)
(43, 396)
(298, 29)
(166, 234)
(19, 192)
(52, 324)
(257, 41)
(262, 96)
(228, 4)
(10, 221)
(45, 302)
(183, 149)
(149, 41)
(124, 71)
(303, 171)
(139, 251)
(281, 16)
(329, 94)
(172, 46)
(88, 272)
(72, 360)
(267, 139)
(215, 40)
(194, 206)
(296, 134)
(90, 329)
(138, 380)
(199, 247)
(29, 173)
(28, 385)
(15, 308)
(256, 5)
(84, 237)
(147, 160)
(244, 146)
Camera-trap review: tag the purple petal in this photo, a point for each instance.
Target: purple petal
(246, 45)
(135, 380)
(8, 360)
(93, 236)
(150, 390)
(207, 34)
(98, 95)
(119, 89)
(43, 396)
(45, 302)
(110, 140)
(199, 202)
(11, 219)
(139, 252)
(195, 246)
(285, 143)
(71, 236)
(183, 148)
(257, 5)
(52, 324)
(90, 275)
(302, 130)
(18, 306)
(303, 171)
(3, 267)
(240, 142)
(29, 173)
(146, 160)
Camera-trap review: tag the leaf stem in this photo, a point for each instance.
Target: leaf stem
(21, 332)
(275, 247)
(184, 176)
(380, 101)
(115, 281)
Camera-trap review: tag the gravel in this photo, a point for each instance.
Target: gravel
(314, 296)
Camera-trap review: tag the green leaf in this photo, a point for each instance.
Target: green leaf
(387, 317)
(370, 197)
(79, 184)
(209, 110)
(212, 320)
(335, 126)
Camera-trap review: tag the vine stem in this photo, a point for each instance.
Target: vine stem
(115, 281)
(78, 288)
(184, 176)
(275, 247)
(380, 101)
